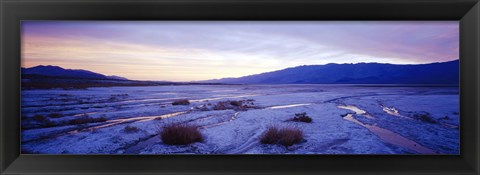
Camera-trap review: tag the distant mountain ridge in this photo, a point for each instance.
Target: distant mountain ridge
(54, 77)
(57, 71)
(359, 73)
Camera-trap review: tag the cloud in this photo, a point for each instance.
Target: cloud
(182, 51)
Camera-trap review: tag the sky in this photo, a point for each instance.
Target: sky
(201, 50)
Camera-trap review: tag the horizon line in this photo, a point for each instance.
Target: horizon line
(188, 81)
(299, 65)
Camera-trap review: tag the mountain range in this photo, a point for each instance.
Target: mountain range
(50, 77)
(359, 73)
(56, 71)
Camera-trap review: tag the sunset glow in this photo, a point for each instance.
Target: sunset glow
(188, 51)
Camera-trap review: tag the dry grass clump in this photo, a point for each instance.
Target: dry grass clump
(222, 105)
(425, 118)
(238, 105)
(302, 117)
(290, 136)
(287, 136)
(86, 119)
(130, 129)
(270, 136)
(180, 134)
(181, 102)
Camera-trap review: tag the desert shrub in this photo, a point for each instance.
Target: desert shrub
(55, 115)
(130, 129)
(222, 105)
(290, 136)
(86, 119)
(270, 136)
(201, 107)
(305, 119)
(425, 118)
(39, 118)
(284, 136)
(181, 102)
(240, 105)
(301, 117)
(236, 103)
(180, 134)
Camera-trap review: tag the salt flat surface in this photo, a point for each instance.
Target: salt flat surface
(395, 110)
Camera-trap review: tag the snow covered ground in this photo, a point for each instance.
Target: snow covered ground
(346, 119)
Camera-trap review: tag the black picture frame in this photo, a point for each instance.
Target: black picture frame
(14, 11)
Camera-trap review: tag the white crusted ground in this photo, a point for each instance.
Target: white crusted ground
(236, 132)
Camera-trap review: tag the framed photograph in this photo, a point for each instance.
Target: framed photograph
(232, 87)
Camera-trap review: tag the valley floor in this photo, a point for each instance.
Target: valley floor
(346, 119)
